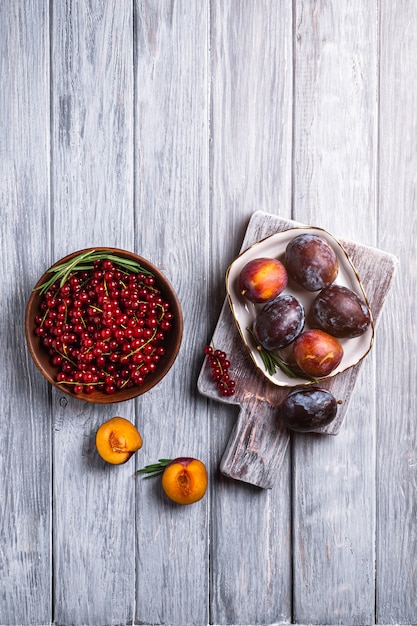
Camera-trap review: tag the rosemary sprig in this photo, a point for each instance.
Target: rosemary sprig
(272, 360)
(85, 261)
(154, 469)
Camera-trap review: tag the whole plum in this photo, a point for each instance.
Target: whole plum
(311, 261)
(279, 322)
(340, 312)
(262, 279)
(317, 353)
(308, 409)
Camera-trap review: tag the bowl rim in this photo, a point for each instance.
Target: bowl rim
(41, 359)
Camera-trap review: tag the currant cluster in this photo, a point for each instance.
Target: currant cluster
(103, 327)
(219, 365)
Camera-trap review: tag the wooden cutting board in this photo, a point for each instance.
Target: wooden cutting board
(258, 441)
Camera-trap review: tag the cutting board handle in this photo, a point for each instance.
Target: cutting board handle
(257, 444)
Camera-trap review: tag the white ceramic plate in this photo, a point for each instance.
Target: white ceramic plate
(244, 312)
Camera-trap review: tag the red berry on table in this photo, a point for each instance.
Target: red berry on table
(219, 366)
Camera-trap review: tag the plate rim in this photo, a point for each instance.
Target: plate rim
(298, 382)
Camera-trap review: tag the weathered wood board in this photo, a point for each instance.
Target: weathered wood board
(258, 442)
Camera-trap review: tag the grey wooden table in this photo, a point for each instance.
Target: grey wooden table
(161, 127)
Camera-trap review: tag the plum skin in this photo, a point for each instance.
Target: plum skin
(262, 279)
(317, 353)
(279, 322)
(311, 261)
(185, 480)
(308, 409)
(340, 312)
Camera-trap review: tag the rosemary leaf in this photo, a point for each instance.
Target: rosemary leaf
(268, 362)
(85, 261)
(154, 469)
(273, 360)
(69, 264)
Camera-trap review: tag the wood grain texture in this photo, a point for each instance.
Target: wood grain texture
(336, 117)
(25, 433)
(92, 146)
(171, 204)
(161, 127)
(335, 134)
(396, 400)
(250, 169)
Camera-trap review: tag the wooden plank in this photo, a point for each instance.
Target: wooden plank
(25, 434)
(250, 159)
(172, 209)
(396, 398)
(92, 174)
(334, 185)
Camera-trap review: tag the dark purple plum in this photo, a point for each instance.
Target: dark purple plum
(311, 261)
(340, 312)
(279, 322)
(308, 409)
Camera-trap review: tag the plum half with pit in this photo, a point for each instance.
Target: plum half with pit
(184, 480)
(279, 322)
(317, 353)
(311, 261)
(341, 312)
(262, 280)
(308, 409)
(117, 440)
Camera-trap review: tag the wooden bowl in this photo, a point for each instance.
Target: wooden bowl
(171, 342)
